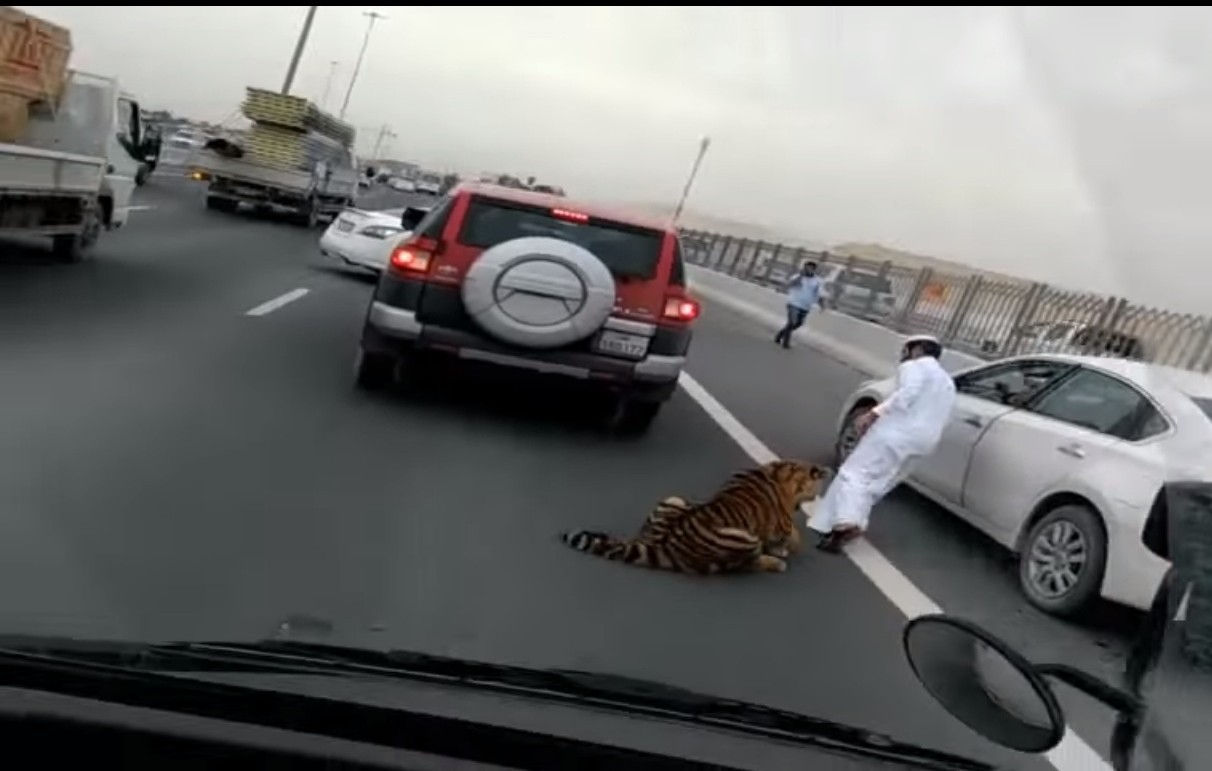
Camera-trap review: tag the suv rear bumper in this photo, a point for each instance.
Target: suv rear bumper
(390, 329)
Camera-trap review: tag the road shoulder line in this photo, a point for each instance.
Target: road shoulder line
(1072, 754)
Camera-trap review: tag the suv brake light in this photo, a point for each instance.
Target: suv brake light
(411, 258)
(681, 309)
(415, 255)
(571, 216)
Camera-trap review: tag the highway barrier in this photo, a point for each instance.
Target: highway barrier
(868, 347)
(979, 313)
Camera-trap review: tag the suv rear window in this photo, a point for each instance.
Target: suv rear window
(629, 252)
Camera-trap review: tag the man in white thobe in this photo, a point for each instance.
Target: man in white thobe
(902, 428)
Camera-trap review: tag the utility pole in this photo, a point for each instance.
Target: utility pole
(299, 46)
(704, 143)
(332, 73)
(384, 133)
(358, 66)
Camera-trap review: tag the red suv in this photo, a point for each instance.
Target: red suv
(535, 282)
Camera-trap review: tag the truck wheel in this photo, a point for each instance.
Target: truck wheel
(142, 174)
(309, 215)
(76, 247)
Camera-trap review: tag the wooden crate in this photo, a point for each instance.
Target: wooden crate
(33, 56)
(14, 117)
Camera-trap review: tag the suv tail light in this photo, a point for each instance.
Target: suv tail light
(414, 256)
(681, 309)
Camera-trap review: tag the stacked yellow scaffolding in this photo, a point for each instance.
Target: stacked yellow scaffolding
(291, 133)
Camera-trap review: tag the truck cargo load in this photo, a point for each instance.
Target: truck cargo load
(295, 157)
(72, 144)
(34, 54)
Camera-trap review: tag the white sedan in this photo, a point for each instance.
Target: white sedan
(364, 239)
(1059, 459)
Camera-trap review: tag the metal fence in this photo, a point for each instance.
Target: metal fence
(979, 315)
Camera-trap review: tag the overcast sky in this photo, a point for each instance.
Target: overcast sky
(1066, 144)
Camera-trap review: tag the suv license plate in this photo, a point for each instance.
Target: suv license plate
(623, 344)
(344, 226)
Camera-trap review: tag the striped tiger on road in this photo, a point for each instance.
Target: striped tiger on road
(748, 526)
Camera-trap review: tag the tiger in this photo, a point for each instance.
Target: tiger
(747, 526)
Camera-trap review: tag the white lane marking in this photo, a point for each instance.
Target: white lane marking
(1072, 754)
(142, 207)
(277, 302)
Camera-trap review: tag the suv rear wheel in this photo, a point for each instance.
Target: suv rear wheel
(374, 371)
(634, 418)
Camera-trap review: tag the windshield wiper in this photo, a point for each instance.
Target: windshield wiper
(613, 692)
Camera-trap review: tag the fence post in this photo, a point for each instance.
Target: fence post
(716, 261)
(704, 255)
(924, 277)
(753, 265)
(1199, 357)
(757, 249)
(699, 240)
(1024, 315)
(1108, 313)
(956, 320)
(880, 276)
(736, 255)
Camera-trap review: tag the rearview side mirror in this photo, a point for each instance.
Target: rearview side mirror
(993, 689)
(411, 217)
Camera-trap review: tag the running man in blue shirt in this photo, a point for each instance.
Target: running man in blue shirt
(803, 292)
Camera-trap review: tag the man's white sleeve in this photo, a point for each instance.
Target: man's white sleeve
(910, 382)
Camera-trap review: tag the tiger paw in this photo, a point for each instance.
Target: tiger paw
(768, 564)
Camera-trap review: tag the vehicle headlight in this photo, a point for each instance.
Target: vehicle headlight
(380, 231)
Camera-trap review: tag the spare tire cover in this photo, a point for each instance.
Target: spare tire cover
(538, 292)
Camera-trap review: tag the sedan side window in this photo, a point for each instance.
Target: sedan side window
(1011, 383)
(1104, 404)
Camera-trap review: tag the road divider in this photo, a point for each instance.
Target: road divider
(868, 347)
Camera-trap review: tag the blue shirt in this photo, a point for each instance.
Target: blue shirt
(804, 292)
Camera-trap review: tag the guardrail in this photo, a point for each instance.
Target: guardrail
(972, 313)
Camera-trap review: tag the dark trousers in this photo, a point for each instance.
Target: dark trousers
(795, 320)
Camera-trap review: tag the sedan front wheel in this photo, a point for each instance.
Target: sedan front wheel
(848, 437)
(1063, 560)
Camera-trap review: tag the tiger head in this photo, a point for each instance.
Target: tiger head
(802, 480)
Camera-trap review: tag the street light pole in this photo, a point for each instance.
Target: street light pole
(299, 46)
(704, 143)
(383, 134)
(332, 73)
(358, 67)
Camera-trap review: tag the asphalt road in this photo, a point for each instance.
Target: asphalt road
(173, 468)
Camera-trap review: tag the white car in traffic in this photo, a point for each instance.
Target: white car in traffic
(364, 239)
(401, 184)
(429, 183)
(1059, 458)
